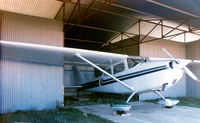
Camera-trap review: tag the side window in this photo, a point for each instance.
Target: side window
(118, 68)
(108, 70)
(132, 62)
(99, 73)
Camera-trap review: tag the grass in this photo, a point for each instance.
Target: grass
(67, 115)
(184, 101)
(71, 115)
(189, 101)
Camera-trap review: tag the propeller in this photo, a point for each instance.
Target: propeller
(185, 69)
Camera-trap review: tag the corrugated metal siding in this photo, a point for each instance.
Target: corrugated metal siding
(0, 68)
(152, 49)
(28, 86)
(0, 82)
(0, 24)
(23, 28)
(177, 49)
(40, 8)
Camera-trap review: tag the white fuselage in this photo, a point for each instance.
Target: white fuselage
(144, 77)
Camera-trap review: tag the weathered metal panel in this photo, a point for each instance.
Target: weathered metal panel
(40, 8)
(152, 49)
(0, 23)
(28, 29)
(27, 86)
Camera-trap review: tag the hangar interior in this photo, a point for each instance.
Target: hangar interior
(135, 28)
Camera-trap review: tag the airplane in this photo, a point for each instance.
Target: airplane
(124, 74)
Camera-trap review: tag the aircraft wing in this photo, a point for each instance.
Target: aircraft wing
(55, 55)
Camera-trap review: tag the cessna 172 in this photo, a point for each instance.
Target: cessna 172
(124, 74)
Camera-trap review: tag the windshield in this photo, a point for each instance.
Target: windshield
(133, 62)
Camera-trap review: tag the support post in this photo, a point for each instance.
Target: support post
(129, 98)
(161, 28)
(159, 94)
(139, 29)
(184, 37)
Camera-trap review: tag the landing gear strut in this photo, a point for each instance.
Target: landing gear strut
(166, 102)
(123, 108)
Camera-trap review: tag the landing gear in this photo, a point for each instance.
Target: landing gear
(167, 103)
(123, 108)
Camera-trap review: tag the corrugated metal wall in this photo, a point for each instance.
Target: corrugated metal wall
(39, 8)
(0, 23)
(23, 28)
(152, 49)
(177, 49)
(0, 67)
(193, 88)
(26, 85)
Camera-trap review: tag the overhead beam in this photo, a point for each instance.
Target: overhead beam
(173, 35)
(131, 9)
(137, 41)
(134, 18)
(85, 16)
(172, 8)
(122, 32)
(97, 28)
(73, 11)
(169, 27)
(101, 10)
(82, 40)
(150, 31)
(173, 29)
(164, 36)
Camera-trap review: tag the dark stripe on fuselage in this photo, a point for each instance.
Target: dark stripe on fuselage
(123, 77)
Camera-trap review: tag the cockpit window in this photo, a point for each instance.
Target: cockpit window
(132, 62)
(118, 68)
(108, 70)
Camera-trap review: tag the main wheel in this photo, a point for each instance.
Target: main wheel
(168, 106)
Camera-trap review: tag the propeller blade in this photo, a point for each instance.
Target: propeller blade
(189, 73)
(186, 70)
(167, 53)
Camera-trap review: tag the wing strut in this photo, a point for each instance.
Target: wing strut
(103, 71)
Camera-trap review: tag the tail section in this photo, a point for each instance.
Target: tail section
(78, 76)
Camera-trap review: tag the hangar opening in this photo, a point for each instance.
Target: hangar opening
(134, 28)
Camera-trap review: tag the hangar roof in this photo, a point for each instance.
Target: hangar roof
(100, 22)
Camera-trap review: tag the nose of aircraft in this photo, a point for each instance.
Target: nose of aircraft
(182, 65)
